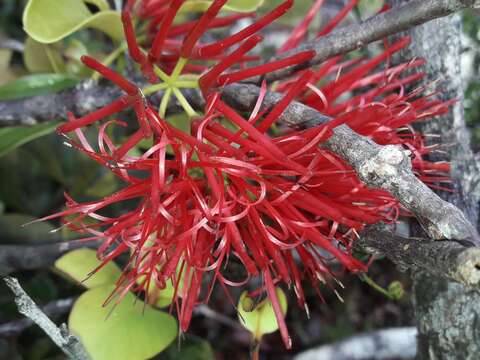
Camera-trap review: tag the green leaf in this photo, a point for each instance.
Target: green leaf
(129, 330)
(260, 318)
(43, 58)
(192, 348)
(77, 264)
(160, 297)
(35, 57)
(48, 21)
(14, 136)
(37, 84)
(243, 5)
(232, 5)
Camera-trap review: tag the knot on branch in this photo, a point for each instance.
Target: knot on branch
(383, 169)
(468, 267)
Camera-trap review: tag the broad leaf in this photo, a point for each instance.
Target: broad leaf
(233, 5)
(260, 318)
(41, 58)
(48, 21)
(37, 84)
(15, 136)
(77, 264)
(124, 331)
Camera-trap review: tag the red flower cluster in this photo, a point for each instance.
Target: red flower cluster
(281, 205)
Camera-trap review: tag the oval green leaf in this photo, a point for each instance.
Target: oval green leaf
(48, 21)
(77, 264)
(14, 136)
(36, 84)
(126, 331)
(260, 318)
(232, 5)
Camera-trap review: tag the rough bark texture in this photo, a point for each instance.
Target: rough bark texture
(447, 313)
(385, 167)
(451, 260)
(388, 23)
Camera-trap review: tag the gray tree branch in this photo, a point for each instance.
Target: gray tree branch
(69, 344)
(56, 307)
(30, 257)
(385, 167)
(451, 260)
(378, 27)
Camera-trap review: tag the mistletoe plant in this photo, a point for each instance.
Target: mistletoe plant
(236, 187)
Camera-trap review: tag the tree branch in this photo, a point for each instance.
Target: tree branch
(68, 343)
(378, 27)
(56, 307)
(451, 260)
(82, 99)
(30, 257)
(385, 167)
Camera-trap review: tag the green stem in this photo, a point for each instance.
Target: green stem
(154, 88)
(184, 103)
(178, 69)
(364, 277)
(163, 105)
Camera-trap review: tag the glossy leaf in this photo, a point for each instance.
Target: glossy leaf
(14, 136)
(48, 21)
(233, 5)
(37, 84)
(260, 318)
(77, 264)
(125, 331)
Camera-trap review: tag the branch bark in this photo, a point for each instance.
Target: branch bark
(56, 307)
(68, 343)
(446, 312)
(451, 260)
(385, 167)
(82, 99)
(30, 257)
(378, 27)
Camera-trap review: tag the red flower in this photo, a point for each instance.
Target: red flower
(282, 205)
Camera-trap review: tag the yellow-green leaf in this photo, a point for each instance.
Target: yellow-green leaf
(232, 5)
(14, 136)
(48, 21)
(42, 58)
(161, 297)
(77, 264)
(260, 318)
(129, 330)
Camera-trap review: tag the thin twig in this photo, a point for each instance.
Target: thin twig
(56, 307)
(68, 343)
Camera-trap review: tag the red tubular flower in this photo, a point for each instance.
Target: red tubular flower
(281, 205)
